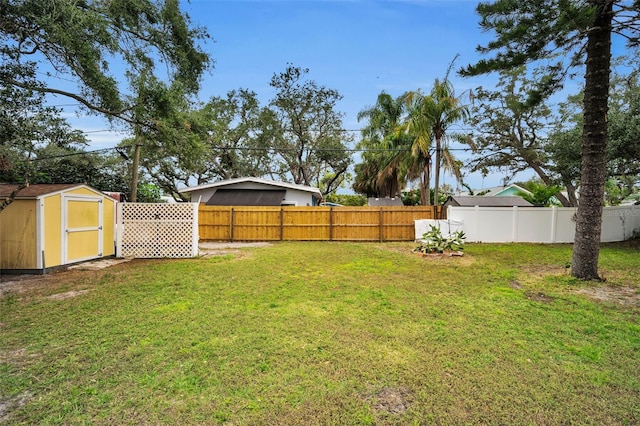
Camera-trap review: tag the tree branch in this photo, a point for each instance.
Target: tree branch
(80, 99)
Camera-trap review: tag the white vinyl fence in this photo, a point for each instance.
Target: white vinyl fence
(157, 230)
(446, 226)
(535, 224)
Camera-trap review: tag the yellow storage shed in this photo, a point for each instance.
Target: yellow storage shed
(50, 226)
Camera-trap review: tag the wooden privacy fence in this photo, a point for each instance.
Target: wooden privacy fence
(286, 223)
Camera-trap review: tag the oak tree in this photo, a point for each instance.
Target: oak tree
(512, 134)
(79, 48)
(311, 143)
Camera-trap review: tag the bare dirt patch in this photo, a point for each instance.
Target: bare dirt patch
(538, 297)
(12, 356)
(99, 264)
(440, 255)
(23, 283)
(20, 283)
(67, 295)
(625, 296)
(55, 284)
(515, 285)
(392, 400)
(7, 405)
(545, 270)
(460, 258)
(223, 248)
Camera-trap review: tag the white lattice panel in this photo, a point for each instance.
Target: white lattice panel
(151, 230)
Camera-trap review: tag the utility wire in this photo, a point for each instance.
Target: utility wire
(241, 148)
(249, 148)
(95, 151)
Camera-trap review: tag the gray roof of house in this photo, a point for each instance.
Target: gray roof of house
(486, 201)
(378, 202)
(246, 197)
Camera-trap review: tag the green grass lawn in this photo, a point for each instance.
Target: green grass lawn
(328, 334)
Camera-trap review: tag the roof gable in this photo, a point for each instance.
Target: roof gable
(512, 189)
(315, 191)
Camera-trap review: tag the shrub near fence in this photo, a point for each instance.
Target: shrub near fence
(286, 223)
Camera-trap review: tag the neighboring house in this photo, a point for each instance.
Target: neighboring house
(383, 202)
(486, 201)
(499, 191)
(250, 191)
(167, 199)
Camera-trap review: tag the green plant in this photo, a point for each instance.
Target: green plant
(434, 242)
(347, 199)
(540, 194)
(148, 193)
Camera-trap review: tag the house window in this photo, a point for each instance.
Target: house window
(289, 203)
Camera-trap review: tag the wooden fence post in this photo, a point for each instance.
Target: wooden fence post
(331, 223)
(231, 225)
(381, 225)
(281, 223)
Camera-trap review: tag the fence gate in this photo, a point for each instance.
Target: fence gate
(157, 230)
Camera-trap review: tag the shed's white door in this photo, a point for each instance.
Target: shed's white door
(82, 228)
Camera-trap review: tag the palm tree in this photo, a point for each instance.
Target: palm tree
(420, 148)
(429, 119)
(380, 135)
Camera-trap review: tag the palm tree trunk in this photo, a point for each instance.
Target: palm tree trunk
(393, 184)
(425, 190)
(586, 247)
(436, 185)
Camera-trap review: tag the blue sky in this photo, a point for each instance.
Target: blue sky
(359, 48)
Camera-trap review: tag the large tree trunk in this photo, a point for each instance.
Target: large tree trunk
(571, 193)
(586, 246)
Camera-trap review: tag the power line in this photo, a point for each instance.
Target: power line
(63, 105)
(51, 75)
(251, 148)
(95, 151)
(238, 148)
(104, 130)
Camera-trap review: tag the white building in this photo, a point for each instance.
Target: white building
(251, 191)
